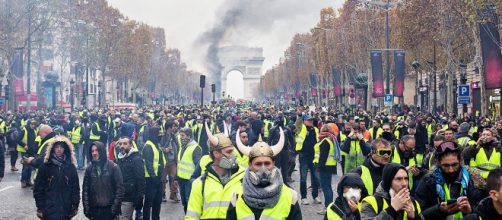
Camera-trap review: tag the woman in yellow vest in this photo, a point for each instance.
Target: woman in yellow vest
(350, 191)
(392, 199)
(264, 194)
(326, 154)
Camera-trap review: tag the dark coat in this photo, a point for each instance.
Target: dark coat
(57, 190)
(105, 189)
(428, 198)
(485, 210)
(375, 172)
(133, 175)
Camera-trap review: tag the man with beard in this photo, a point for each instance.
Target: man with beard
(450, 190)
(102, 190)
(57, 188)
(264, 194)
(486, 155)
(376, 130)
(404, 154)
(387, 133)
(392, 199)
(490, 207)
(132, 167)
(350, 191)
(371, 170)
(212, 191)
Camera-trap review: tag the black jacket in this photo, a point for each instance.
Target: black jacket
(133, 175)
(485, 210)
(376, 172)
(39, 159)
(103, 186)
(340, 205)
(428, 198)
(57, 190)
(30, 139)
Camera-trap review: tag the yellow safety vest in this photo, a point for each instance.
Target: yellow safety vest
(332, 215)
(465, 142)
(355, 157)
(300, 138)
(242, 160)
(75, 135)
(39, 152)
(367, 179)
(457, 215)
(281, 209)
(20, 148)
(156, 159)
(266, 129)
(209, 199)
(2, 127)
(378, 133)
(429, 130)
(342, 139)
(484, 165)
(204, 161)
(373, 202)
(331, 157)
(412, 161)
(94, 137)
(186, 165)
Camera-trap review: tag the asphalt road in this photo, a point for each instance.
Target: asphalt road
(18, 203)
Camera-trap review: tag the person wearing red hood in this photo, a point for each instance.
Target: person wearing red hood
(326, 154)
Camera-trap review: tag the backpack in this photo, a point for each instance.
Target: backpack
(13, 135)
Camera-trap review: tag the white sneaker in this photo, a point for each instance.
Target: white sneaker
(305, 201)
(317, 201)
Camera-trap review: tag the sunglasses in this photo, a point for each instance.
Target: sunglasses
(383, 152)
(446, 145)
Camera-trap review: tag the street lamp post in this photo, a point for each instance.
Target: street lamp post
(71, 93)
(463, 81)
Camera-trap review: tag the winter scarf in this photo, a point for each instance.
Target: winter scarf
(336, 146)
(261, 198)
(464, 181)
(58, 161)
(122, 156)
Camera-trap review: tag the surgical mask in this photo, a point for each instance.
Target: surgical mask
(77, 122)
(262, 177)
(228, 162)
(353, 194)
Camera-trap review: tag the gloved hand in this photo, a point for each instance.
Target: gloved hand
(40, 214)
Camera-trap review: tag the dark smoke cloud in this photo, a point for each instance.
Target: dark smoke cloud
(245, 20)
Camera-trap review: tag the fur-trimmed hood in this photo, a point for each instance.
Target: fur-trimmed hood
(69, 149)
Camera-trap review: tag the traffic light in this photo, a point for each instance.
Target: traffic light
(202, 81)
(213, 88)
(7, 92)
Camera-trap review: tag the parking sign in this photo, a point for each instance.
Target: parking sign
(464, 94)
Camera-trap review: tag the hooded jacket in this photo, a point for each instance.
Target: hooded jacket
(57, 190)
(341, 206)
(376, 172)
(103, 185)
(133, 175)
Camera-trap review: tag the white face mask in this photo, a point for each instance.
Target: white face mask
(353, 194)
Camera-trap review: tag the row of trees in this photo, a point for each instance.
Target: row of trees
(343, 39)
(91, 36)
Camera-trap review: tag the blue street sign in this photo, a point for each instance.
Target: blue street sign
(464, 90)
(464, 100)
(388, 99)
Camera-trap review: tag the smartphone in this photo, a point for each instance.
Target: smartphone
(451, 201)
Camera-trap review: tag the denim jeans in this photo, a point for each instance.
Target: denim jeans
(79, 153)
(306, 164)
(327, 190)
(26, 171)
(185, 188)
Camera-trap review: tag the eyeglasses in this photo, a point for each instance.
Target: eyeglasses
(383, 152)
(446, 145)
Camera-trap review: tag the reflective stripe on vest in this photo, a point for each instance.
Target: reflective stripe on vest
(355, 157)
(373, 202)
(92, 136)
(75, 135)
(156, 159)
(281, 209)
(300, 138)
(484, 165)
(186, 165)
(20, 148)
(332, 215)
(330, 161)
(367, 179)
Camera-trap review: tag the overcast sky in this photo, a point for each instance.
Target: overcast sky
(270, 24)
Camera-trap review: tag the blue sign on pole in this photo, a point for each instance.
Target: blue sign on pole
(388, 99)
(464, 94)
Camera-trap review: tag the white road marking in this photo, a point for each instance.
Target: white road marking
(6, 188)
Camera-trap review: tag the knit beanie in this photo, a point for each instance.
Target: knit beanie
(389, 171)
(464, 127)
